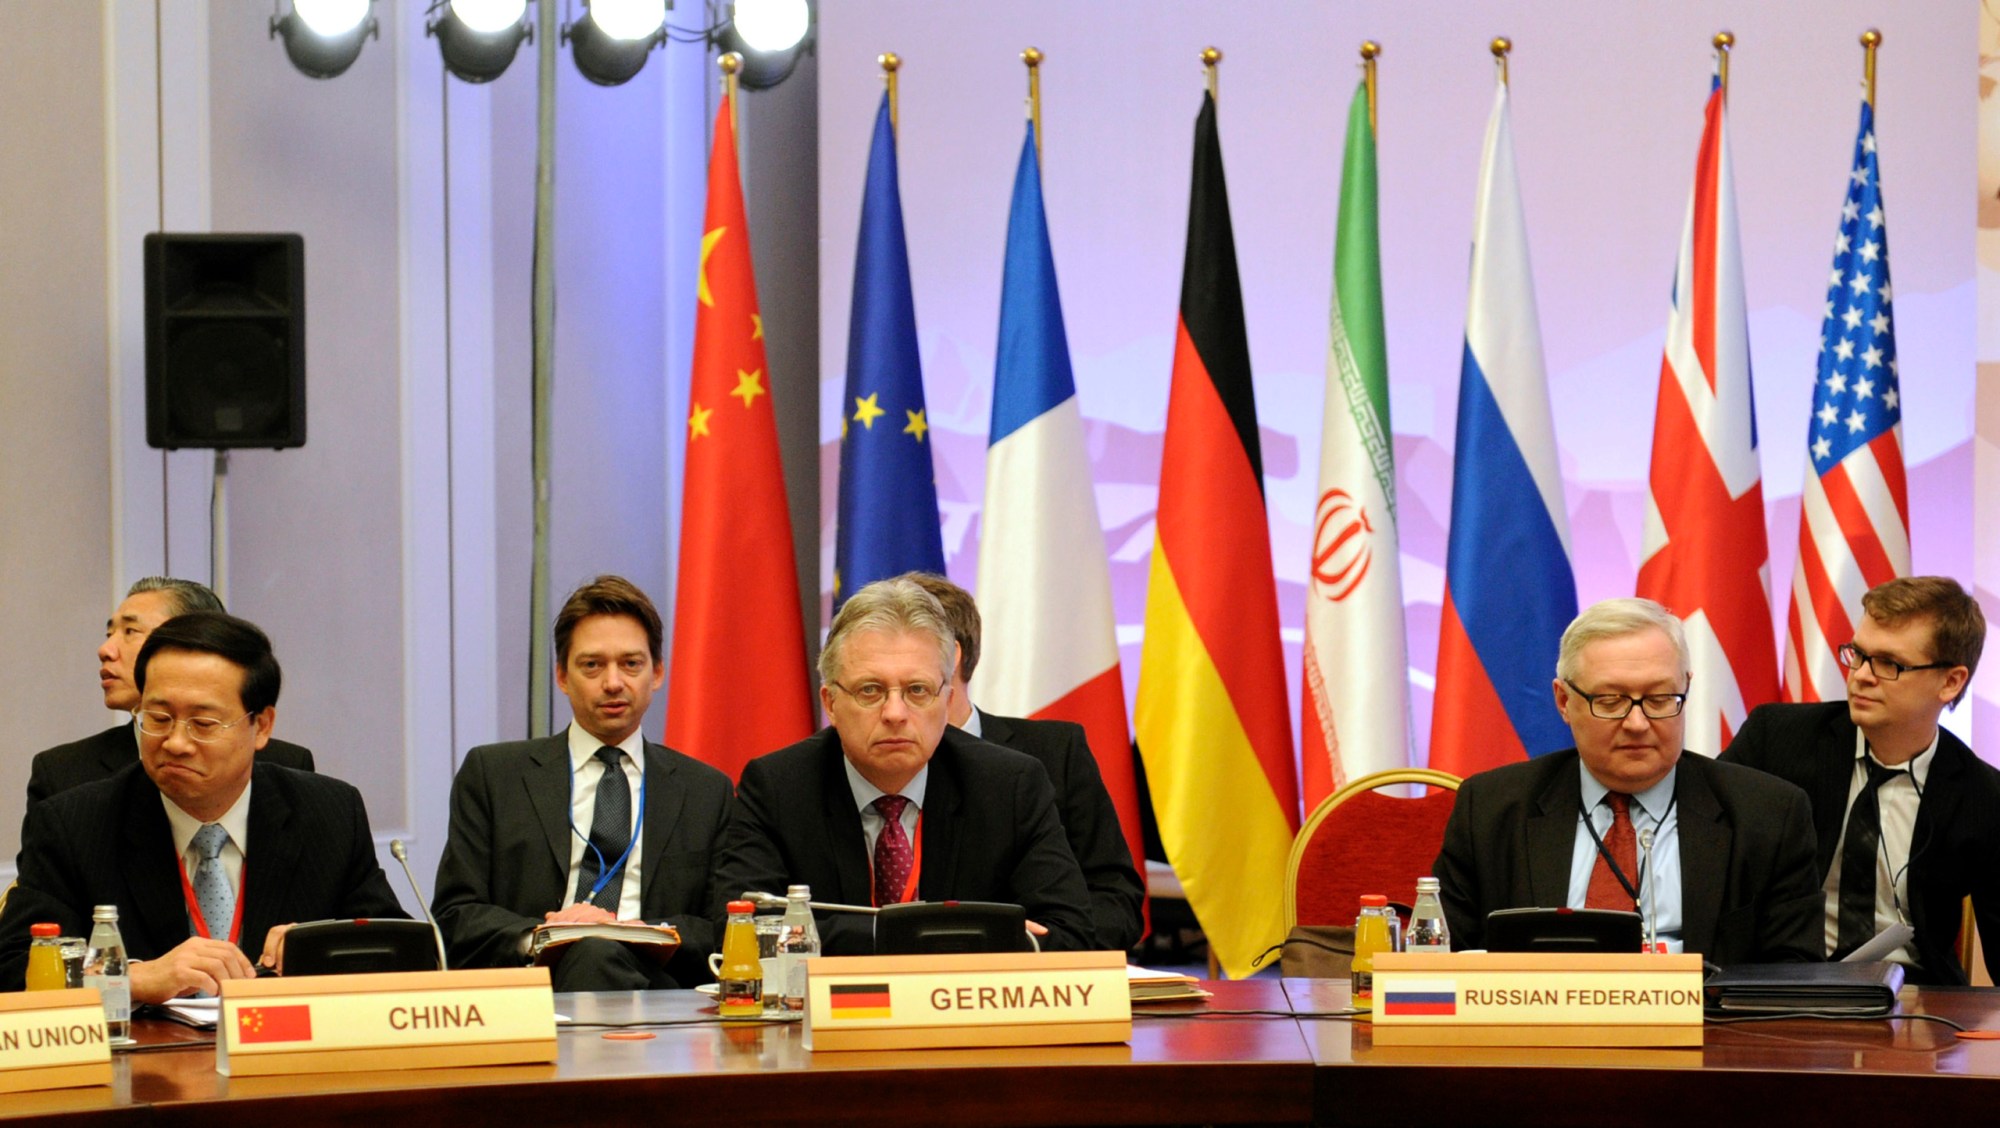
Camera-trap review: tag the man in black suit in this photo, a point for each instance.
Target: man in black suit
(1731, 863)
(1909, 848)
(260, 846)
(1090, 821)
(149, 603)
(593, 824)
(891, 804)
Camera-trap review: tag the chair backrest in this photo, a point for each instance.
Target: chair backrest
(1362, 841)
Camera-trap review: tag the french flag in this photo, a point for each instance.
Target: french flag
(1509, 591)
(1050, 645)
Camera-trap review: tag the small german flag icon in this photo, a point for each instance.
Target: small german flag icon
(859, 1000)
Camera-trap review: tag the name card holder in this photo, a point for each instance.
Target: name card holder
(53, 1040)
(398, 1020)
(1537, 999)
(998, 999)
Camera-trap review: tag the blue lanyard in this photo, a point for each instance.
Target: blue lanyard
(604, 874)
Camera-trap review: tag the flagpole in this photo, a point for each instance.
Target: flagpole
(1209, 57)
(731, 62)
(1501, 46)
(1033, 57)
(1723, 41)
(1870, 40)
(1369, 51)
(890, 62)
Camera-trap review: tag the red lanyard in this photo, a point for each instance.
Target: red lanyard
(194, 909)
(916, 863)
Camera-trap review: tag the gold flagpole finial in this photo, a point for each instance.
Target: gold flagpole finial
(890, 63)
(1501, 47)
(1033, 58)
(1723, 42)
(1370, 51)
(731, 63)
(1870, 40)
(1210, 56)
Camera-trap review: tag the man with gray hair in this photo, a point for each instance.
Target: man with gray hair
(150, 602)
(889, 803)
(1732, 850)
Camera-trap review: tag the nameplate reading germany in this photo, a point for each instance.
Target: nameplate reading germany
(53, 1040)
(1537, 999)
(409, 1020)
(1004, 999)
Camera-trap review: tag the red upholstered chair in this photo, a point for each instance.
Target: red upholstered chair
(1362, 841)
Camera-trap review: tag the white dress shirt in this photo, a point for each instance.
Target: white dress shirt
(585, 772)
(236, 820)
(1897, 799)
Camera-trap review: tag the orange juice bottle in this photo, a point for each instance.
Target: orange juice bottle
(741, 977)
(1371, 935)
(45, 962)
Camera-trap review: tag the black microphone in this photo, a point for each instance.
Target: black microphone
(403, 857)
(773, 901)
(1652, 932)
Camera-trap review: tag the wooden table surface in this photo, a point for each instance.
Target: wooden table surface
(1181, 1069)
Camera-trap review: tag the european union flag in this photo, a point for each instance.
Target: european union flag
(888, 521)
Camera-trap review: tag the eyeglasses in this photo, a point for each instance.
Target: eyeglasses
(873, 695)
(1618, 706)
(201, 730)
(1853, 657)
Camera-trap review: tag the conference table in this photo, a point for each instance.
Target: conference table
(1185, 1064)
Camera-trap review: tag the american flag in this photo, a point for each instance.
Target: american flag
(1854, 512)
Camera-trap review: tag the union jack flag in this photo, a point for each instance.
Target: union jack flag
(1854, 512)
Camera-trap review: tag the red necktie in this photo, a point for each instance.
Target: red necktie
(1622, 844)
(892, 851)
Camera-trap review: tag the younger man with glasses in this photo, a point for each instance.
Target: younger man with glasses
(1908, 817)
(891, 804)
(1732, 853)
(209, 851)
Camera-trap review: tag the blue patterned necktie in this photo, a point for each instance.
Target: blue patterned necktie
(211, 886)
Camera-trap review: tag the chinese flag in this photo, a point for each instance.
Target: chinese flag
(738, 629)
(275, 1024)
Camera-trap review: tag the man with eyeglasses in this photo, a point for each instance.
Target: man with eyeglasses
(1908, 817)
(591, 825)
(890, 803)
(1731, 862)
(150, 602)
(209, 852)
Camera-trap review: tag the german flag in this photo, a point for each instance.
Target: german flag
(1213, 723)
(859, 1000)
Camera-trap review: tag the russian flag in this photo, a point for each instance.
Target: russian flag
(1509, 590)
(1422, 996)
(1050, 640)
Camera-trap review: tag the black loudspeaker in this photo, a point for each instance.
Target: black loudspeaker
(225, 341)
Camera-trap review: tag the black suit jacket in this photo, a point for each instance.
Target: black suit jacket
(506, 859)
(990, 833)
(1089, 820)
(309, 857)
(1955, 845)
(1748, 894)
(101, 756)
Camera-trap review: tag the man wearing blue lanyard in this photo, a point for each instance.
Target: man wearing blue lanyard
(1731, 858)
(595, 823)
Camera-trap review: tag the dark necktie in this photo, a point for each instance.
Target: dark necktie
(610, 831)
(893, 858)
(1606, 891)
(1857, 861)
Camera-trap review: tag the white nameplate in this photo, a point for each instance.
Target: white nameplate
(407, 1020)
(1005, 999)
(1537, 999)
(53, 1040)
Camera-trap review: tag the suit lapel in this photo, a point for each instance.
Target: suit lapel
(1832, 774)
(1706, 841)
(154, 908)
(664, 800)
(117, 747)
(940, 822)
(994, 730)
(1551, 832)
(548, 785)
(270, 862)
(845, 843)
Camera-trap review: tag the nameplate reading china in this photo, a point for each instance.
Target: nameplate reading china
(402, 1020)
(1536, 999)
(999, 999)
(53, 1040)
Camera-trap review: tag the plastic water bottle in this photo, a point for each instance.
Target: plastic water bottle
(104, 968)
(1428, 930)
(797, 944)
(1371, 935)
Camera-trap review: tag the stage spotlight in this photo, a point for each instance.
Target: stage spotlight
(771, 35)
(478, 38)
(324, 37)
(611, 42)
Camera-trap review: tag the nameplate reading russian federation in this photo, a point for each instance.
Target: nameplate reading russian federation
(53, 1040)
(1002, 999)
(1537, 999)
(407, 1020)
